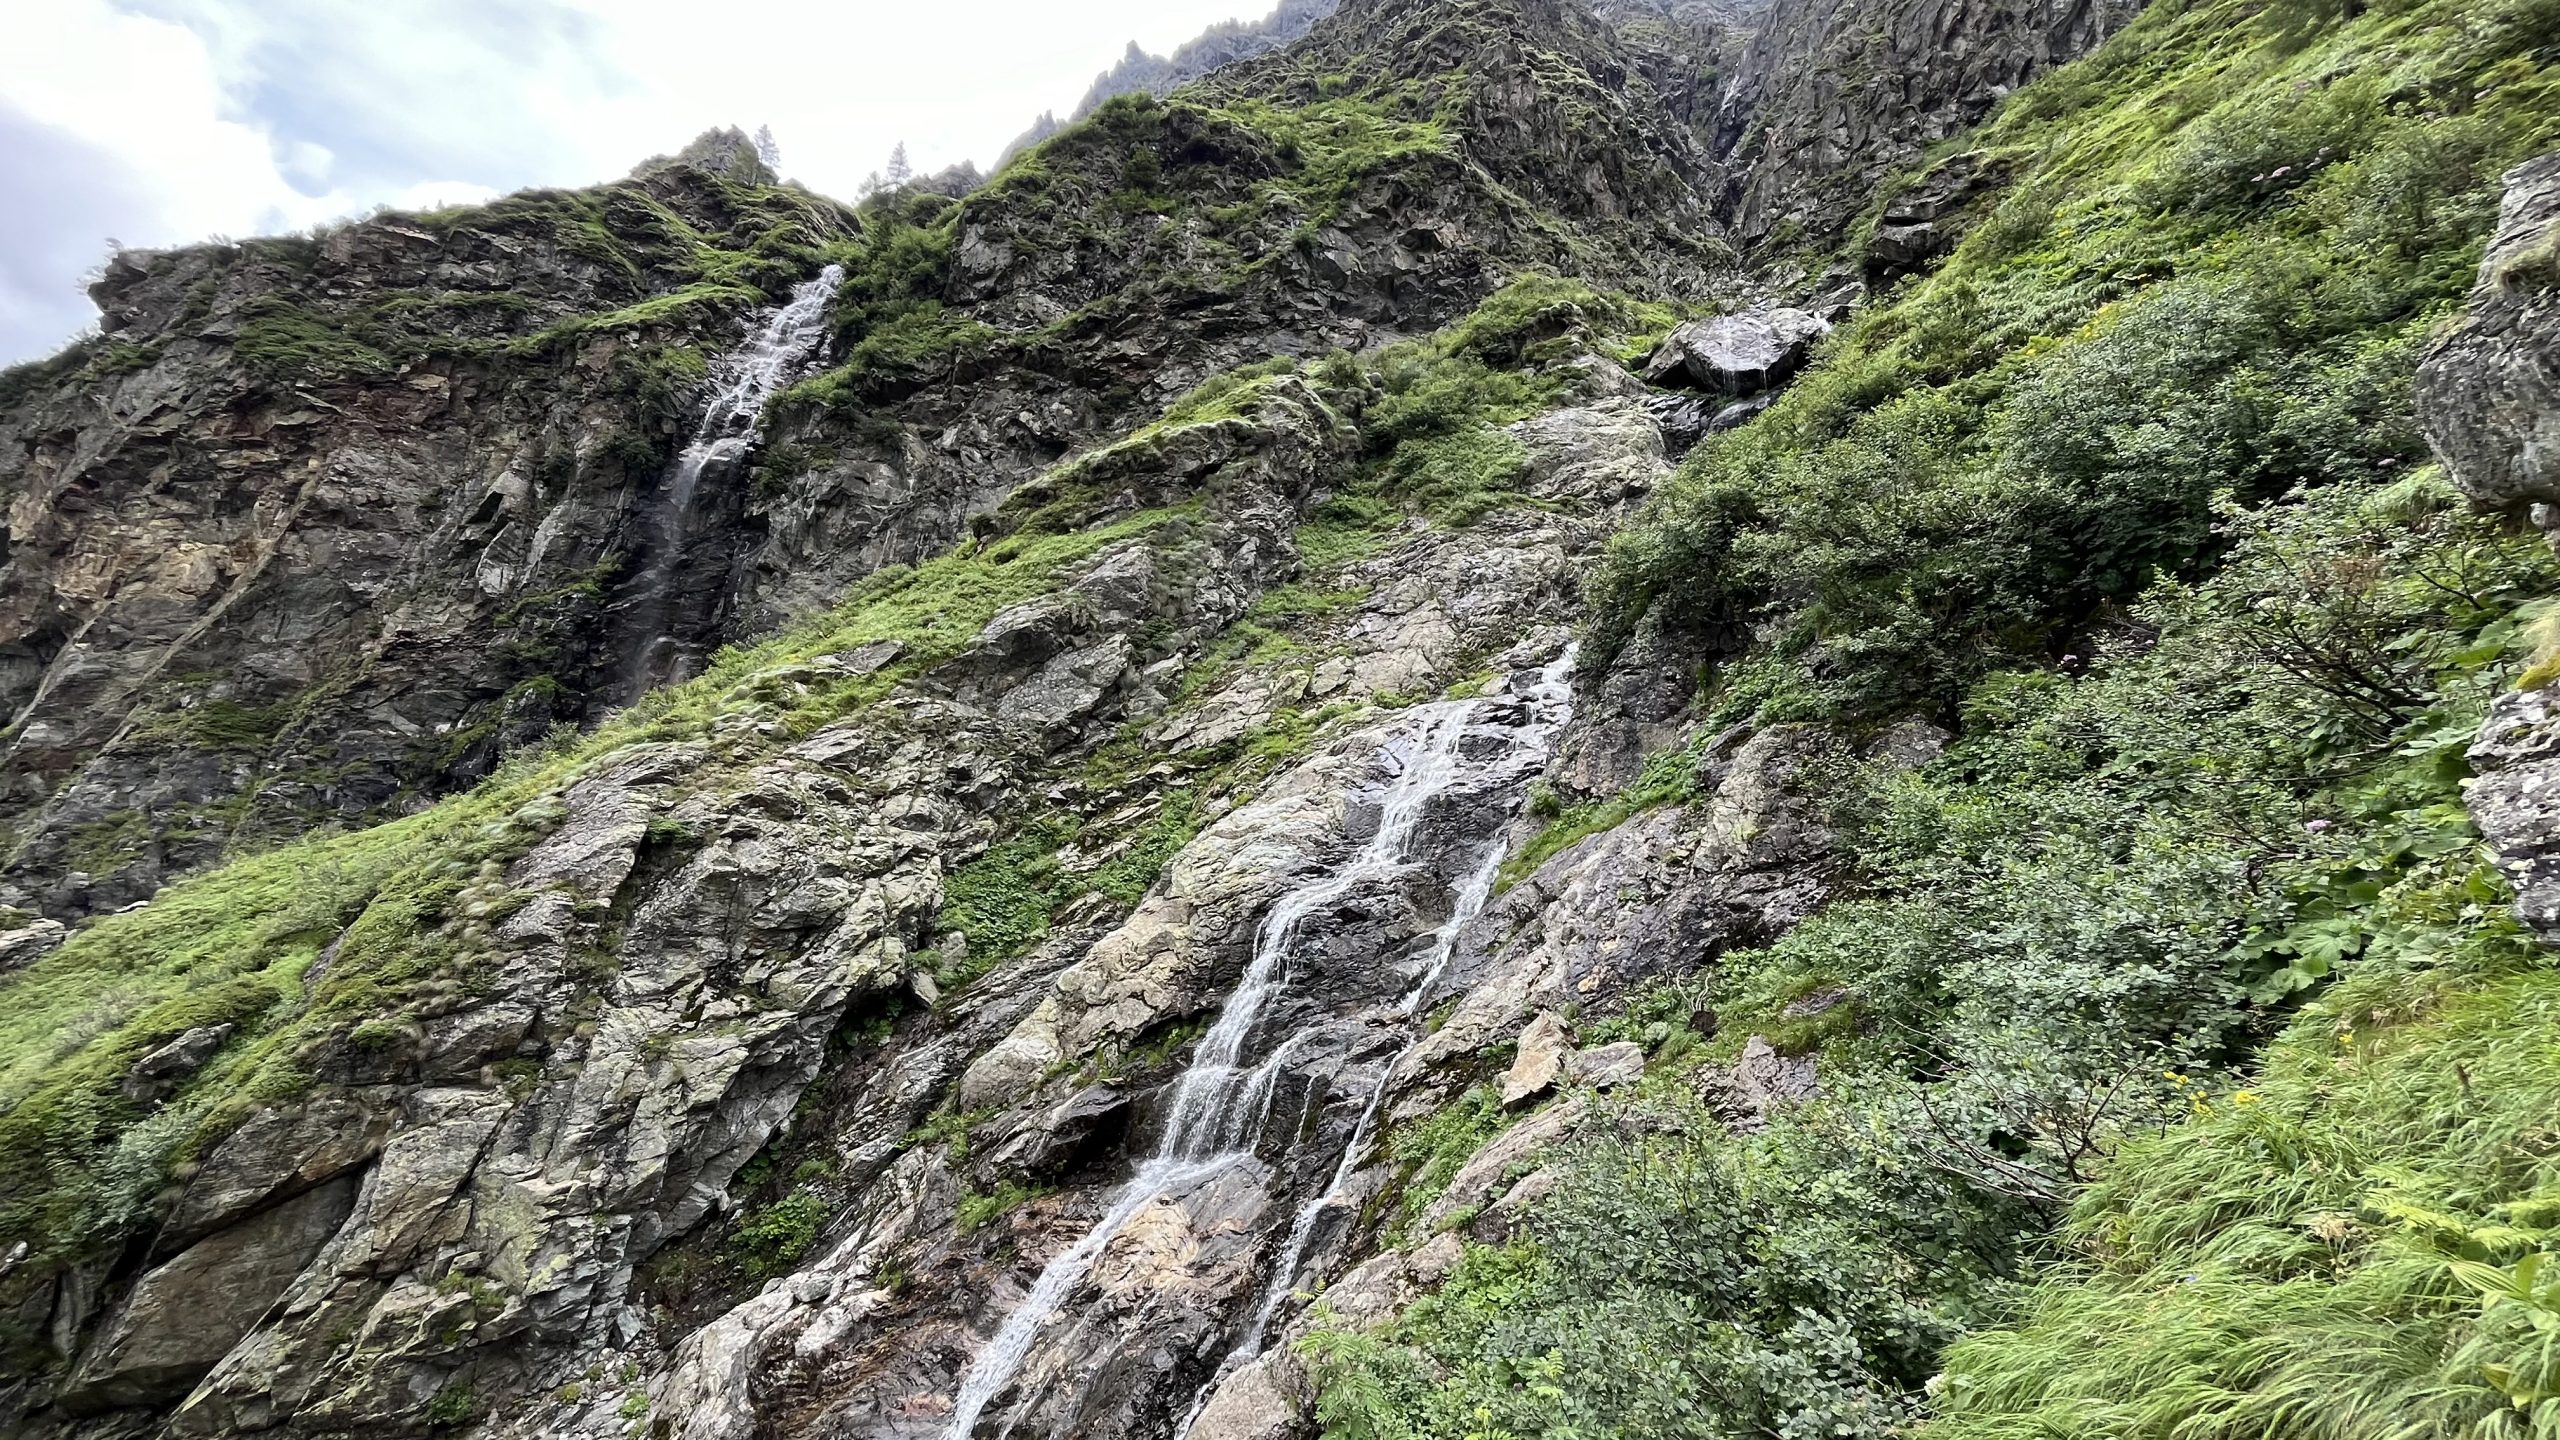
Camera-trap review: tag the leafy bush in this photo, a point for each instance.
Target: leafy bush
(980, 1209)
(2076, 927)
(772, 1240)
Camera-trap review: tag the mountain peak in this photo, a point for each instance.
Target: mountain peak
(724, 150)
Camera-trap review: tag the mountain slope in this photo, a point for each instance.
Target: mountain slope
(1260, 861)
(324, 526)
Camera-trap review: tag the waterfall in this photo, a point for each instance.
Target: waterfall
(1220, 1100)
(742, 383)
(1553, 700)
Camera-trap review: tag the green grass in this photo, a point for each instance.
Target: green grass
(281, 342)
(2187, 1059)
(2007, 446)
(2356, 1243)
(980, 1209)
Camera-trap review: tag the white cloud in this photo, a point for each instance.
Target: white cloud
(248, 116)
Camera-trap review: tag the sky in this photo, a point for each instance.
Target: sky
(164, 122)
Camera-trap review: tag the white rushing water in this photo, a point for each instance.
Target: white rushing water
(743, 382)
(1221, 1101)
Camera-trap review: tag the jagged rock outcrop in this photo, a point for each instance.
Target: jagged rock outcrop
(1830, 98)
(726, 152)
(1223, 44)
(324, 527)
(2489, 400)
(2489, 391)
(1687, 49)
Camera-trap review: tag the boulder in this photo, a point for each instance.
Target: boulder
(28, 939)
(1538, 1063)
(1904, 249)
(1608, 1067)
(1739, 354)
(2489, 390)
(155, 1075)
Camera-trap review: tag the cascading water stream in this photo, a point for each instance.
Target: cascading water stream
(744, 381)
(1219, 1102)
(1552, 702)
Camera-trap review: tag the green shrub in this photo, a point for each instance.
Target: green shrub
(978, 1210)
(282, 343)
(771, 1241)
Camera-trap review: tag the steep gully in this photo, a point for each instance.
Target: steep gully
(743, 382)
(1223, 1100)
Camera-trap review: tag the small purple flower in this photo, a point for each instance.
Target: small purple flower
(2319, 826)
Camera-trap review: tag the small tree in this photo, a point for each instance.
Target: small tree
(900, 171)
(766, 150)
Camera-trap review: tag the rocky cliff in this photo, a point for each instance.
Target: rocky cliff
(1152, 802)
(322, 527)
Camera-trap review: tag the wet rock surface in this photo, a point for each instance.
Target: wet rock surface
(1830, 98)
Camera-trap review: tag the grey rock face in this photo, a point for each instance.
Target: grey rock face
(182, 1317)
(1832, 97)
(1737, 354)
(29, 938)
(1664, 893)
(2516, 801)
(2489, 391)
(246, 591)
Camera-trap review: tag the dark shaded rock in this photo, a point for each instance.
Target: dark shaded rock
(1092, 1119)
(181, 1318)
(1924, 221)
(1904, 249)
(2489, 390)
(1833, 96)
